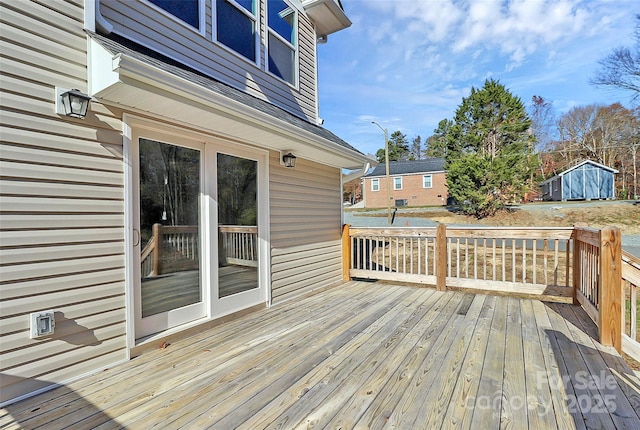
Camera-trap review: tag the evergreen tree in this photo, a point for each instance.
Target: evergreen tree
(489, 150)
(437, 143)
(398, 148)
(415, 152)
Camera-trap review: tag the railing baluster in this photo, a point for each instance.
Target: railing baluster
(426, 255)
(513, 260)
(419, 242)
(475, 258)
(524, 261)
(404, 255)
(449, 258)
(555, 262)
(411, 255)
(457, 257)
(534, 263)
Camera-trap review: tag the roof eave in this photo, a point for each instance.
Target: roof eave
(327, 16)
(129, 82)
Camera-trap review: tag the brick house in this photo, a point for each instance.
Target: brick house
(412, 183)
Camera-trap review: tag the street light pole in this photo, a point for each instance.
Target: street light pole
(386, 162)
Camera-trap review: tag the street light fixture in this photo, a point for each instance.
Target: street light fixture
(386, 162)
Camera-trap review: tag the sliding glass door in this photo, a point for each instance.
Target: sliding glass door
(169, 217)
(198, 247)
(238, 212)
(237, 225)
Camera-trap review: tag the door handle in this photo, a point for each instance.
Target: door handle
(136, 237)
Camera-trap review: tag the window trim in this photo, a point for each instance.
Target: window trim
(256, 31)
(430, 181)
(395, 187)
(375, 181)
(295, 46)
(202, 18)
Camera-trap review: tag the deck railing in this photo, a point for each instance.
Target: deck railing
(577, 262)
(240, 244)
(170, 249)
(525, 260)
(175, 248)
(598, 280)
(630, 285)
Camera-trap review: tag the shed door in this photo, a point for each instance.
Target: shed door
(591, 182)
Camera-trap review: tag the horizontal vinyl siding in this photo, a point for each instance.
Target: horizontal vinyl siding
(61, 206)
(305, 228)
(142, 23)
(300, 269)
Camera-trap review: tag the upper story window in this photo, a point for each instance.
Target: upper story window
(375, 185)
(397, 183)
(236, 23)
(185, 10)
(281, 44)
(426, 181)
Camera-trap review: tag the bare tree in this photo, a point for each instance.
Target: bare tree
(621, 68)
(542, 121)
(609, 135)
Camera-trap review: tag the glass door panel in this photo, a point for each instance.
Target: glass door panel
(170, 240)
(237, 184)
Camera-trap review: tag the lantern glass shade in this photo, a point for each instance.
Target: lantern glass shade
(75, 103)
(289, 160)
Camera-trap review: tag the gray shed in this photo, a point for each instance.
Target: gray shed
(587, 180)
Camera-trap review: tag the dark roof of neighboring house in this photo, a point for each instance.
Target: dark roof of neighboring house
(409, 167)
(117, 44)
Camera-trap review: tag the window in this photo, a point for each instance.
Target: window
(375, 185)
(397, 183)
(185, 10)
(426, 181)
(236, 26)
(282, 23)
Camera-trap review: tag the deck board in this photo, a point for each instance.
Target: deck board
(362, 355)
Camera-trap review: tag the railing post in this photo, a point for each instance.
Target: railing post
(346, 253)
(576, 265)
(441, 257)
(157, 266)
(611, 292)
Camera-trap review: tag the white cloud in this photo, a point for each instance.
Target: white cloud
(408, 63)
(516, 28)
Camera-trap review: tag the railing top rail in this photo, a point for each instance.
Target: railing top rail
(511, 232)
(585, 228)
(588, 235)
(169, 229)
(392, 231)
(148, 249)
(495, 228)
(631, 259)
(238, 228)
(468, 231)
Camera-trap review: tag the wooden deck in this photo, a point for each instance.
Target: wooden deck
(363, 355)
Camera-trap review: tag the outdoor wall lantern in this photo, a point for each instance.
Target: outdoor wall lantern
(73, 103)
(289, 160)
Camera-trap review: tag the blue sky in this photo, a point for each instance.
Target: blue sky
(407, 64)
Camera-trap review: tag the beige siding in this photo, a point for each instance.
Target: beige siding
(305, 227)
(61, 206)
(146, 25)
